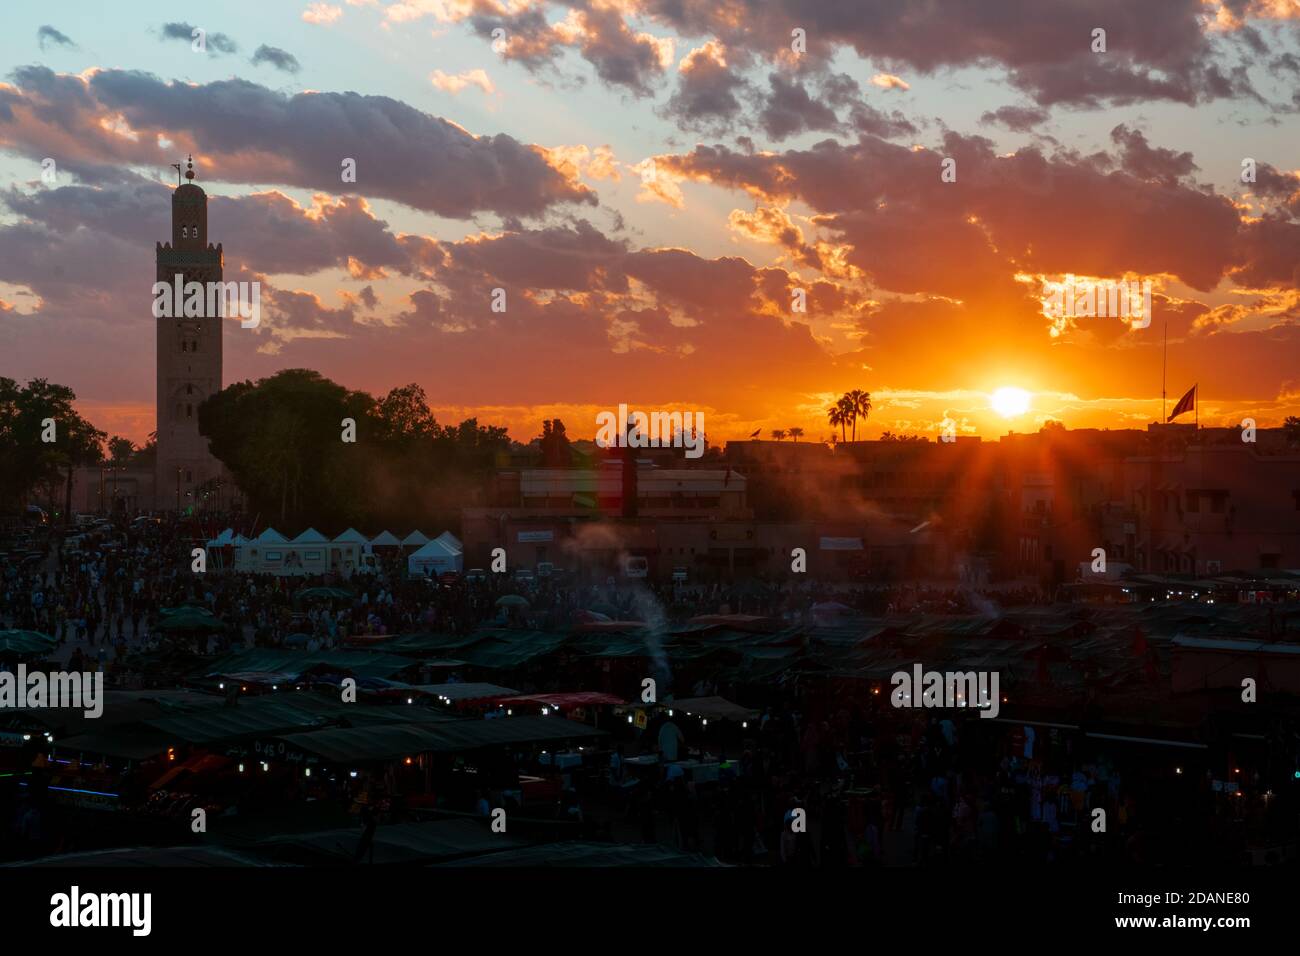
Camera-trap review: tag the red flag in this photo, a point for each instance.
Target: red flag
(1185, 404)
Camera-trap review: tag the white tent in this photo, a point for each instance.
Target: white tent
(271, 536)
(436, 557)
(385, 539)
(311, 536)
(348, 552)
(416, 539)
(450, 540)
(226, 537)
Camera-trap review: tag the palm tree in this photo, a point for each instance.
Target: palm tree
(861, 402)
(835, 416)
(850, 413)
(796, 433)
(778, 434)
(1291, 429)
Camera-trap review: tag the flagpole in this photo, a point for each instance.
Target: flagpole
(1164, 369)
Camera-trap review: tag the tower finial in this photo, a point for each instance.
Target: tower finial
(189, 168)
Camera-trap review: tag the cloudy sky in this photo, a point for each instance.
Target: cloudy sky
(652, 183)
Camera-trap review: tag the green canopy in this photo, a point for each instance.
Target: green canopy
(20, 643)
(188, 618)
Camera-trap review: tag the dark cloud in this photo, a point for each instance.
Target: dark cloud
(1155, 50)
(47, 35)
(1025, 212)
(246, 133)
(620, 56)
(708, 91)
(1141, 160)
(213, 42)
(280, 59)
(789, 110)
(1019, 119)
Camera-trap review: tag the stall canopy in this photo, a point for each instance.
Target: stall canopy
(416, 539)
(17, 643)
(589, 854)
(432, 842)
(311, 536)
(457, 693)
(450, 540)
(385, 539)
(713, 708)
(270, 536)
(436, 557)
(188, 618)
(564, 701)
(352, 745)
(295, 663)
(351, 536)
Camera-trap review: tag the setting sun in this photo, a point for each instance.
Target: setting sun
(1010, 402)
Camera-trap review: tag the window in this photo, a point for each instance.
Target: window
(194, 345)
(184, 346)
(185, 232)
(189, 389)
(189, 410)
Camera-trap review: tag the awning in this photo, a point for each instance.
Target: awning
(460, 692)
(385, 742)
(565, 701)
(713, 708)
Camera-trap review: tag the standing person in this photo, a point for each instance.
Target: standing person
(670, 738)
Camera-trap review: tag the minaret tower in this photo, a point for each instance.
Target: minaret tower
(189, 354)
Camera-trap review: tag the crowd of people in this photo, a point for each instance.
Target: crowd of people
(826, 776)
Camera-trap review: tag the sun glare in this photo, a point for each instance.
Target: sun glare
(1010, 402)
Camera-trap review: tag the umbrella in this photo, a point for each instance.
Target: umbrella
(512, 600)
(25, 642)
(189, 618)
(330, 594)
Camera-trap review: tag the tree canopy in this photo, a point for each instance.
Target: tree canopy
(29, 414)
(285, 442)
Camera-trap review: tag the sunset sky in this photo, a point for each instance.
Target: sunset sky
(649, 181)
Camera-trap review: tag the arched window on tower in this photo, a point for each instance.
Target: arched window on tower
(189, 389)
(189, 410)
(185, 346)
